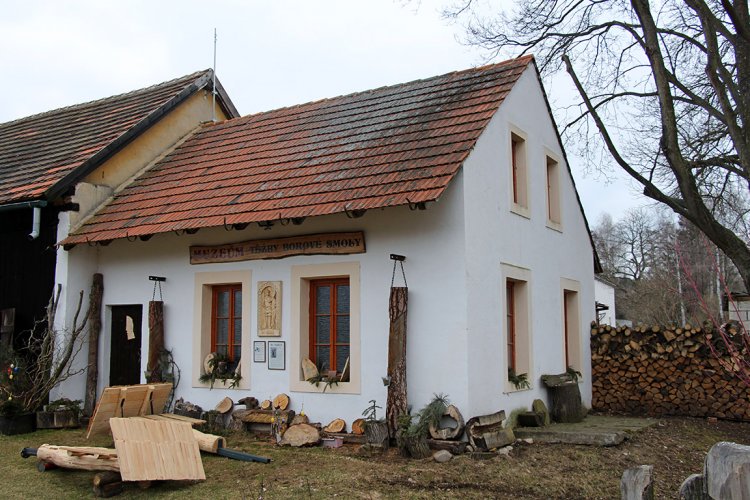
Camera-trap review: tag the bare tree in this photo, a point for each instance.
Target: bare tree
(664, 91)
(49, 353)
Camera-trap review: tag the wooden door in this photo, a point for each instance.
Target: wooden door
(125, 353)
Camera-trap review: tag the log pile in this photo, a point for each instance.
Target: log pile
(666, 371)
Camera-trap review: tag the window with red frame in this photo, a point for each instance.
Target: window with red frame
(329, 323)
(510, 306)
(226, 321)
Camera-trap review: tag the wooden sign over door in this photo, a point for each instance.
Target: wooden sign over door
(278, 248)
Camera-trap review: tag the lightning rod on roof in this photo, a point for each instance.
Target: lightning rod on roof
(213, 92)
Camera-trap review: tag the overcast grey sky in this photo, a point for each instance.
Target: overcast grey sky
(270, 54)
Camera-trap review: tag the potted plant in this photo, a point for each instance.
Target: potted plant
(220, 367)
(376, 429)
(411, 436)
(59, 414)
(35, 362)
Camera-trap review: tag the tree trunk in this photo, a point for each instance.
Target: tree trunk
(95, 327)
(155, 339)
(86, 458)
(396, 404)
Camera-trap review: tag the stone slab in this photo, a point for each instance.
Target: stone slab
(594, 430)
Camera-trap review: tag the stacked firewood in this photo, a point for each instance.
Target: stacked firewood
(667, 371)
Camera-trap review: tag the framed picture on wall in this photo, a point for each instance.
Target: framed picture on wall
(259, 351)
(276, 355)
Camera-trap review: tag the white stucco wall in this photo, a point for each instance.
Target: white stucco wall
(605, 294)
(498, 238)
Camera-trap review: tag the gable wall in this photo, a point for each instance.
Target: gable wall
(509, 241)
(154, 143)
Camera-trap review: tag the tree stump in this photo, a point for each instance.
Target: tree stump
(565, 398)
(376, 434)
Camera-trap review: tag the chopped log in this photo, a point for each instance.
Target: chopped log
(83, 458)
(450, 432)
(415, 446)
(281, 402)
(155, 340)
(106, 477)
(108, 490)
(95, 327)
(455, 447)
(337, 425)
(209, 442)
(376, 433)
(300, 419)
(486, 431)
(262, 416)
(396, 402)
(225, 405)
(250, 402)
(565, 398)
(266, 404)
(346, 437)
(637, 483)
(530, 419)
(300, 435)
(358, 426)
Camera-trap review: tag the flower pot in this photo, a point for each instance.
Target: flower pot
(17, 424)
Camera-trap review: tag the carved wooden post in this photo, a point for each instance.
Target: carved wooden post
(95, 327)
(397, 402)
(155, 339)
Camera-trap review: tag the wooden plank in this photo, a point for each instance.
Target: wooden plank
(132, 400)
(152, 450)
(126, 401)
(159, 397)
(105, 408)
(183, 418)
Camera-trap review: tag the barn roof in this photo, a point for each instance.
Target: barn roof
(42, 155)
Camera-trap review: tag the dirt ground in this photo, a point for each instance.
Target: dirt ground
(675, 447)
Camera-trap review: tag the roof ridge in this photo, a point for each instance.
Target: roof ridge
(521, 60)
(190, 77)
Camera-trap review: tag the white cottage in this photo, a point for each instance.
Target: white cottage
(274, 233)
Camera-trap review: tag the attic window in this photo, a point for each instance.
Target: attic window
(518, 174)
(553, 193)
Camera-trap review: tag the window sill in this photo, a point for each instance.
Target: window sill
(509, 389)
(555, 226)
(223, 385)
(520, 210)
(340, 388)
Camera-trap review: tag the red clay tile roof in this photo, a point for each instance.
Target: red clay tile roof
(43, 153)
(385, 147)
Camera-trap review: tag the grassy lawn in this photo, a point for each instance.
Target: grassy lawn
(676, 447)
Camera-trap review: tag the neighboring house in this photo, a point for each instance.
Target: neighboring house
(464, 174)
(87, 150)
(604, 292)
